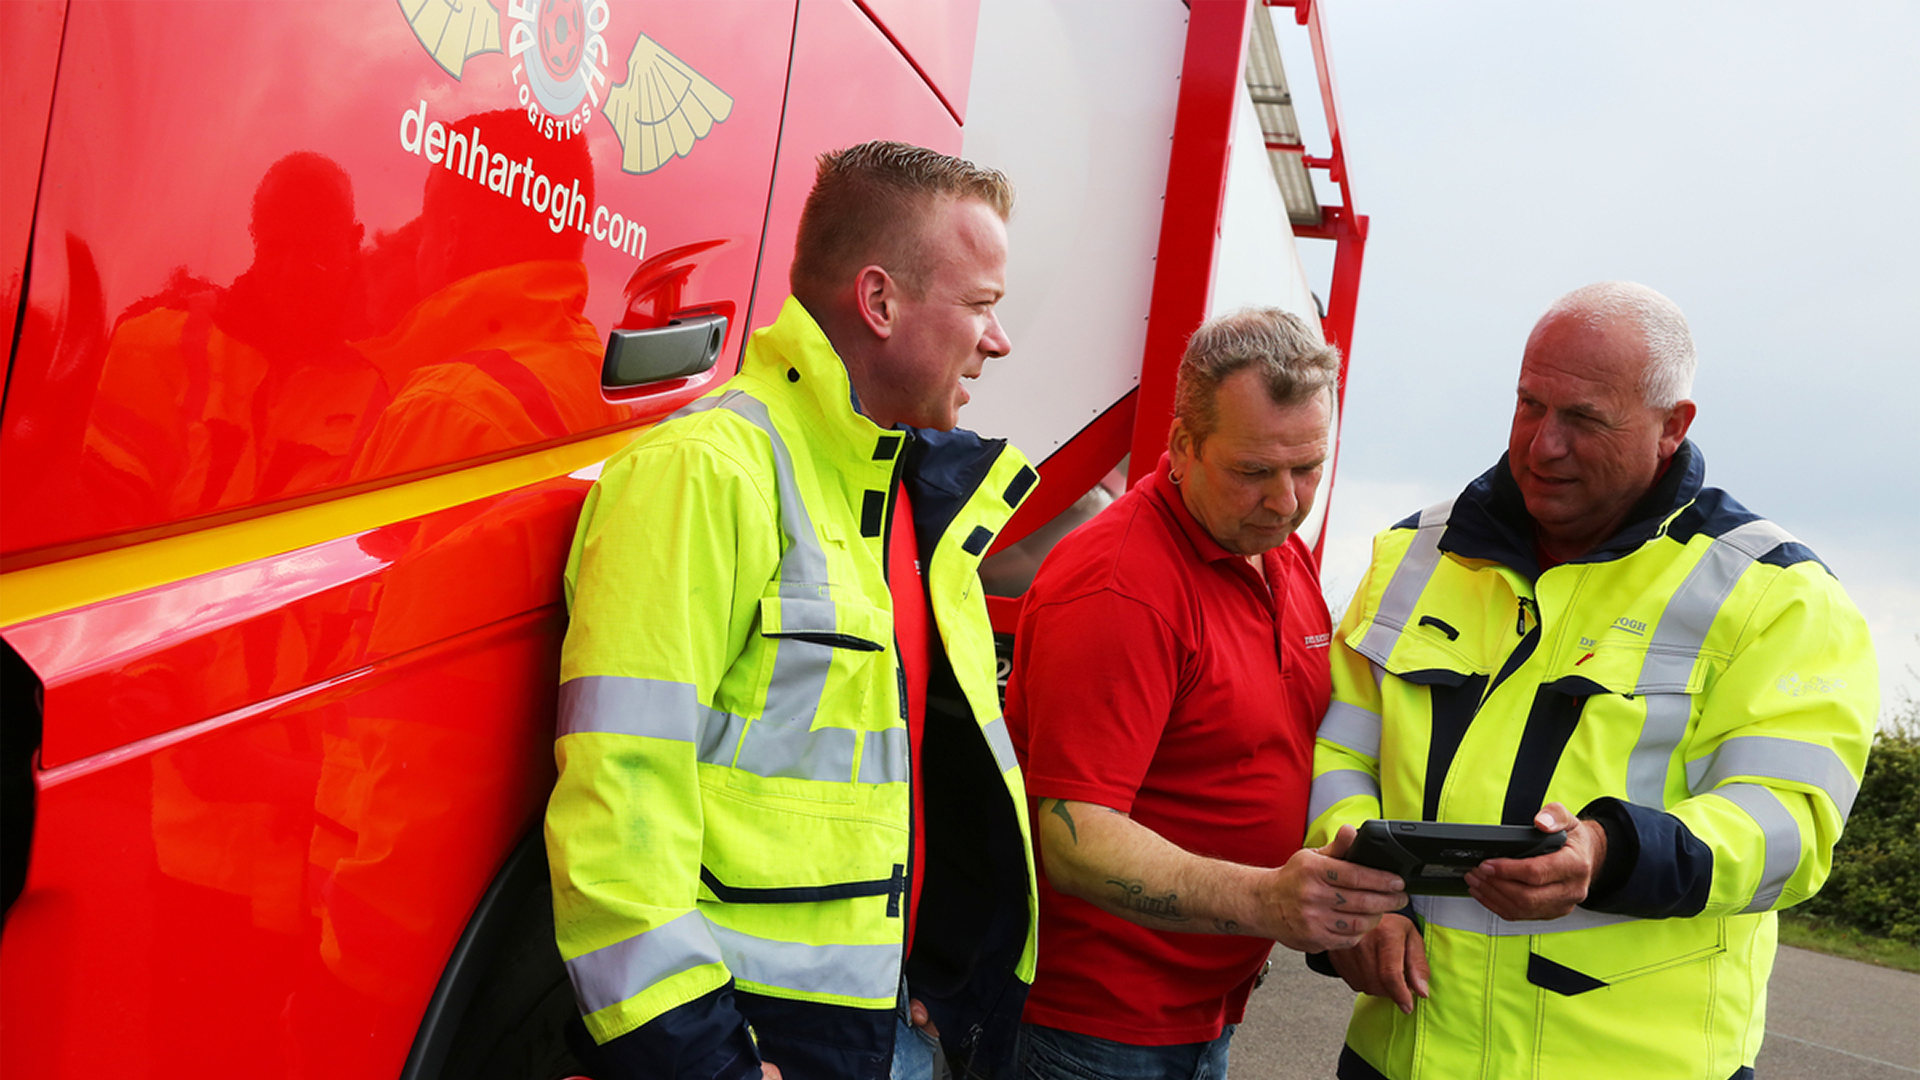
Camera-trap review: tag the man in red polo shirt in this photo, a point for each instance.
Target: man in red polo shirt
(1169, 673)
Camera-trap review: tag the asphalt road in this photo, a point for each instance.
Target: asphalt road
(1827, 1019)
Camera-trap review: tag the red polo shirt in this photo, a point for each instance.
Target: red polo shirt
(911, 626)
(1154, 674)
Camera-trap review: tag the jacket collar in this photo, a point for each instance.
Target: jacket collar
(1490, 519)
(943, 469)
(796, 361)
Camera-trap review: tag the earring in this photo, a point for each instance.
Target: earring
(1175, 477)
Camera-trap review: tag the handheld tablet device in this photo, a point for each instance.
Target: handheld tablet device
(1433, 857)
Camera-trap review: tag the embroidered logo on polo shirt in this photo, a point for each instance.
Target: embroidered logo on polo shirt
(1318, 641)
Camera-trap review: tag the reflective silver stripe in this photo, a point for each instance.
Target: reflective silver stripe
(806, 616)
(1757, 537)
(613, 973)
(1776, 759)
(1353, 728)
(788, 748)
(799, 670)
(697, 405)
(783, 743)
(1331, 787)
(804, 563)
(1409, 581)
(1666, 724)
(1690, 612)
(884, 758)
(861, 971)
(1783, 839)
(1465, 913)
(720, 735)
(617, 705)
(1001, 743)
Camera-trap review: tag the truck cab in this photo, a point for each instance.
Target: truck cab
(321, 318)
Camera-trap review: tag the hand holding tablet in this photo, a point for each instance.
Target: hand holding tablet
(1433, 857)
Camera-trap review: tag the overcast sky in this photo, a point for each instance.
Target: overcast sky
(1757, 162)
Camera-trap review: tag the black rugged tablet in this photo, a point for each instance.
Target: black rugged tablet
(1433, 857)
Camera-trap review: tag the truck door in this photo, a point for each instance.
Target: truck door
(312, 334)
(29, 53)
(263, 204)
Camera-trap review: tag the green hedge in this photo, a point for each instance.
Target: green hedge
(1875, 887)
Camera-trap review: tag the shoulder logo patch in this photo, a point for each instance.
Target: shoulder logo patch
(1793, 684)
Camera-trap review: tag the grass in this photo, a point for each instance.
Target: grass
(1835, 939)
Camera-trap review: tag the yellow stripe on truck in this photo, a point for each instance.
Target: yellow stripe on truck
(34, 591)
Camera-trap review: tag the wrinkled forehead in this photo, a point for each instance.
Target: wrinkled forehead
(1254, 423)
(1603, 357)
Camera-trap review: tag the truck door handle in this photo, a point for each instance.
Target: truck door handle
(681, 348)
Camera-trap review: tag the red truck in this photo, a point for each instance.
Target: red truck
(322, 316)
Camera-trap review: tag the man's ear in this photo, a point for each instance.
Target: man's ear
(1673, 430)
(1179, 445)
(876, 295)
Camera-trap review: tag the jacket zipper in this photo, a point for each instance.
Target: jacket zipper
(897, 900)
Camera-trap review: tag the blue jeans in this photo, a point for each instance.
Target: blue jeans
(916, 1055)
(1046, 1053)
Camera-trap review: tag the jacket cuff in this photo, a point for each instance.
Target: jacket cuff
(1655, 867)
(705, 1039)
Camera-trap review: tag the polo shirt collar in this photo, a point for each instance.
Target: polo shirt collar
(1163, 490)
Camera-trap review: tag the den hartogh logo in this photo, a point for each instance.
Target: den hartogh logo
(561, 69)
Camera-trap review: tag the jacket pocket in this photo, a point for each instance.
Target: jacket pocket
(826, 674)
(893, 887)
(1575, 962)
(1631, 668)
(825, 658)
(760, 847)
(1417, 656)
(1429, 649)
(831, 619)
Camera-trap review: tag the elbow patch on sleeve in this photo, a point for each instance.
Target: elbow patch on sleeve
(1656, 867)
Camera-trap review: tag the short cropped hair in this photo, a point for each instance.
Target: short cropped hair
(1294, 364)
(1668, 375)
(869, 205)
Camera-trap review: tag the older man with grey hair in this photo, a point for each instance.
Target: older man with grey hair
(1169, 670)
(1588, 625)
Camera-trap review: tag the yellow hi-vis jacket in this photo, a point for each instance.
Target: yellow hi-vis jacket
(1700, 685)
(731, 825)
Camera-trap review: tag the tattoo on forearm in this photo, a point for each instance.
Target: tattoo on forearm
(1226, 926)
(1133, 895)
(1060, 811)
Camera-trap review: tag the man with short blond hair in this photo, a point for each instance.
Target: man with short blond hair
(1169, 671)
(869, 204)
(1588, 625)
(788, 837)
